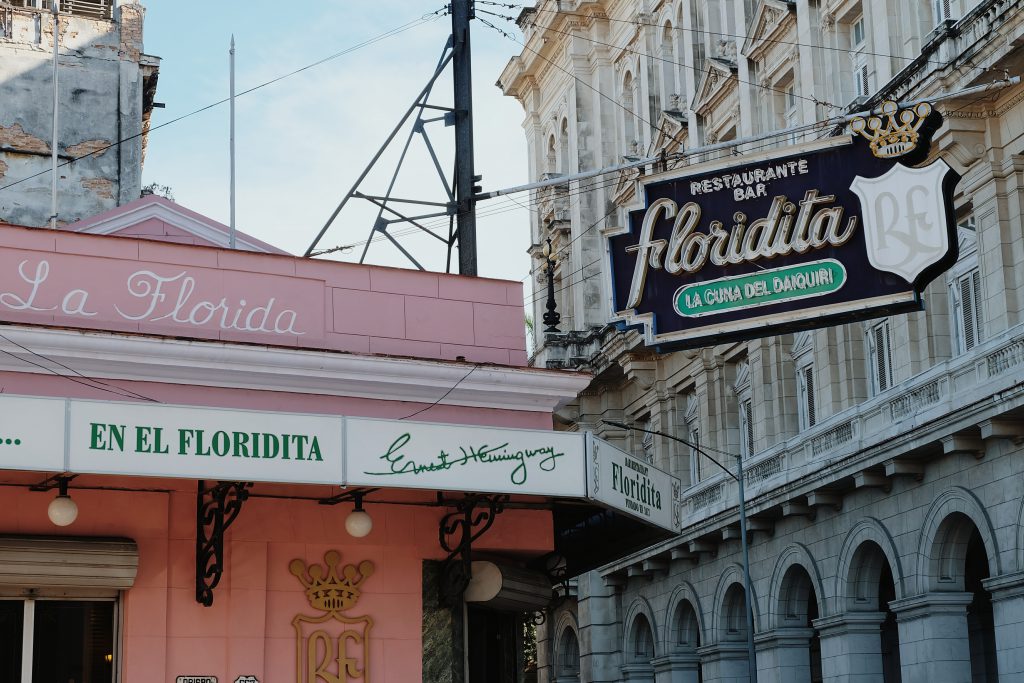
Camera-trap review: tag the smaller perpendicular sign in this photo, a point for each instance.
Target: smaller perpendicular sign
(195, 679)
(632, 486)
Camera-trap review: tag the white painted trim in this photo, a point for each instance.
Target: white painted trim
(173, 361)
(170, 215)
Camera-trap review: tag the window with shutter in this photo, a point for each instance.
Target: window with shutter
(881, 356)
(699, 466)
(746, 429)
(966, 291)
(861, 77)
(812, 418)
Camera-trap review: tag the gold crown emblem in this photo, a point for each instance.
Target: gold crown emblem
(333, 592)
(899, 134)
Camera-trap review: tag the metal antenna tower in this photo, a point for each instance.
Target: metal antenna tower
(460, 203)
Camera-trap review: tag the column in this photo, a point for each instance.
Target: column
(641, 673)
(783, 655)
(1008, 613)
(725, 662)
(851, 647)
(677, 668)
(933, 637)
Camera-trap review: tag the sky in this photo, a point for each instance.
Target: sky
(302, 142)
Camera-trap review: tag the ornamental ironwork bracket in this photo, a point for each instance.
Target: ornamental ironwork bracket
(216, 508)
(473, 516)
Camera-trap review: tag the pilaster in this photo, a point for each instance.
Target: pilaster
(725, 662)
(677, 668)
(850, 647)
(933, 637)
(1008, 614)
(783, 655)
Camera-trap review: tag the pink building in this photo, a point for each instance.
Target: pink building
(271, 464)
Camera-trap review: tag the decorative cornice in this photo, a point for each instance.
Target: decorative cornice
(215, 364)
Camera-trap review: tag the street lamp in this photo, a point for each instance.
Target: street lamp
(551, 318)
(738, 477)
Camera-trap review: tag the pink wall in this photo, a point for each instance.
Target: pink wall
(115, 283)
(248, 630)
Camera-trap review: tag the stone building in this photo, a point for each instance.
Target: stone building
(883, 459)
(101, 54)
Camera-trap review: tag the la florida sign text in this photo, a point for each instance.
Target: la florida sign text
(842, 230)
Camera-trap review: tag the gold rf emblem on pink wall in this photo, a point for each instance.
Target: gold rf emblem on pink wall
(332, 647)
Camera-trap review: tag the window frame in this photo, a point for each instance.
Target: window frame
(28, 627)
(745, 409)
(967, 270)
(880, 365)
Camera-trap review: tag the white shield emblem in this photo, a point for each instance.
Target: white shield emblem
(904, 218)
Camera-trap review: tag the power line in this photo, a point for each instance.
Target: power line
(88, 381)
(698, 31)
(813, 99)
(387, 34)
(461, 380)
(559, 67)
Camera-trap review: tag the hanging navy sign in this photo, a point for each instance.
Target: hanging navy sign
(848, 229)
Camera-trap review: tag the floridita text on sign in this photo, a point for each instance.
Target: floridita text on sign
(726, 251)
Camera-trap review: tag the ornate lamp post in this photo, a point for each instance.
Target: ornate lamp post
(551, 318)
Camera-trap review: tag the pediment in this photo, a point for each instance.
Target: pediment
(712, 84)
(771, 19)
(672, 131)
(967, 240)
(157, 218)
(803, 342)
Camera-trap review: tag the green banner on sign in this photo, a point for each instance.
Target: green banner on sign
(764, 287)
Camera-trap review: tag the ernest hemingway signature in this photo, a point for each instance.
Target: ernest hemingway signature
(399, 463)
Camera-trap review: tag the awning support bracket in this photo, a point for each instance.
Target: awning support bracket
(473, 516)
(216, 508)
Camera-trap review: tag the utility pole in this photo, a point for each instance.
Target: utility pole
(56, 109)
(465, 174)
(231, 67)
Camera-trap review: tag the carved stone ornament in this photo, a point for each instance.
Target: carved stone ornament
(828, 22)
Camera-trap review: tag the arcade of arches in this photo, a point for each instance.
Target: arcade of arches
(869, 625)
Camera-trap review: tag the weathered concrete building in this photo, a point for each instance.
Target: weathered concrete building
(883, 459)
(106, 89)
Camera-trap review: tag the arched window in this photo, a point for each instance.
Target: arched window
(629, 128)
(871, 588)
(670, 77)
(551, 162)
(642, 641)
(564, 166)
(567, 657)
(798, 608)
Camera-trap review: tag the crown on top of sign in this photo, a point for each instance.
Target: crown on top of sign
(332, 592)
(895, 132)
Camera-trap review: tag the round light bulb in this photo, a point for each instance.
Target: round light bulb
(62, 511)
(358, 523)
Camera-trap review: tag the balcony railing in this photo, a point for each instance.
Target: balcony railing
(93, 9)
(869, 434)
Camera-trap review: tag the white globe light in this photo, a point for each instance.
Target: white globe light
(62, 511)
(358, 523)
